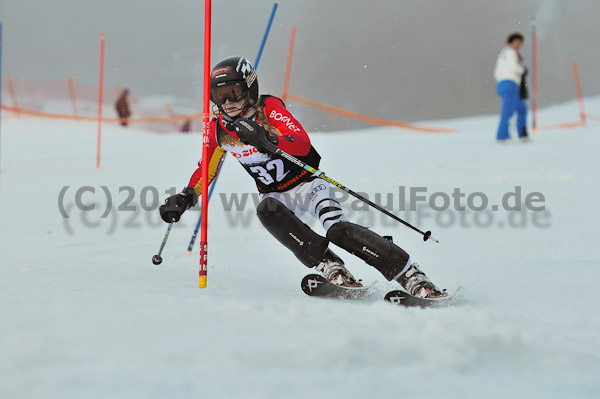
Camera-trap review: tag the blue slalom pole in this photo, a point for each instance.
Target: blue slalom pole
(264, 39)
(210, 191)
(214, 182)
(195, 233)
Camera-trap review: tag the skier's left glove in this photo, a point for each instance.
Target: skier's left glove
(254, 133)
(175, 205)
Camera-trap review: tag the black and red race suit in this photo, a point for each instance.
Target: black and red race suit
(270, 172)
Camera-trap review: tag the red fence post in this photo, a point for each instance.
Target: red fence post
(579, 92)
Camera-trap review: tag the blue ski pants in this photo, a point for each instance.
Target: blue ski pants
(511, 103)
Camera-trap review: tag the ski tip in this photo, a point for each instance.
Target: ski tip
(317, 285)
(312, 282)
(400, 297)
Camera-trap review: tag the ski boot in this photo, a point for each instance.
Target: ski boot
(416, 283)
(336, 273)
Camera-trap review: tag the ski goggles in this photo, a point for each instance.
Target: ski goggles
(233, 92)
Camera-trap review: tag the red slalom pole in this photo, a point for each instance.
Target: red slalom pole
(205, 131)
(288, 65)
(13, 93)
(536, 85)
(579, 91)
(100, 86)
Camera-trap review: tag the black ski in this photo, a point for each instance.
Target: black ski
(317, 285)
(399, 297)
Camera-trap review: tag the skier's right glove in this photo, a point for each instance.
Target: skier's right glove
(175, 205)
(254, 133)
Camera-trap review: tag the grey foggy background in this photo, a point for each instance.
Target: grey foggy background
(410, 60)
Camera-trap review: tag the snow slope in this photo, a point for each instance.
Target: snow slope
(85, 314)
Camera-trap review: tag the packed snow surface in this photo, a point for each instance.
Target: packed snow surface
(85, 314)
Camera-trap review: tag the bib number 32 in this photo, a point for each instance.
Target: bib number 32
(263, 174)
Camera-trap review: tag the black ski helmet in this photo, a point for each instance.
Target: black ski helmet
(233, 70)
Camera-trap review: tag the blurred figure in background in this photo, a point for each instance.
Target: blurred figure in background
(186, 127)
(122, 106)
(509, 74)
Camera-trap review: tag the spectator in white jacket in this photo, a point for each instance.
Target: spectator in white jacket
(509, 73)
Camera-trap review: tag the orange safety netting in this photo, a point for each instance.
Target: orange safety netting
(561, 126)
(53, 115)
(369, 119)
(32, 97)
(72, 100)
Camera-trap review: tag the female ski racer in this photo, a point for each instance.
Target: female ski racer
(245, 126)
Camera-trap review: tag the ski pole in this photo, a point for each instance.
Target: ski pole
(157, 259)
(273, 148)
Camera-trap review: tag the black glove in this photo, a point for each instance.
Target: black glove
(175, 205)
(253, 133)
